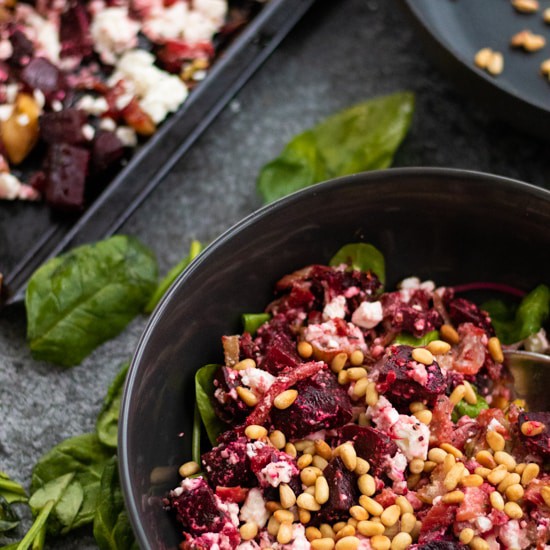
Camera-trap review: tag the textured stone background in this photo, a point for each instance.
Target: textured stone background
(341, 53)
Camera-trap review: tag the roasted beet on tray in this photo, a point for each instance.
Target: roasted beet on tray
(339, 436)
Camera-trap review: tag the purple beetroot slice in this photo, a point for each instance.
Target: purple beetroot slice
(74, 33)
(63, 126)
(107, 150)
(42, 75)
(463, 311)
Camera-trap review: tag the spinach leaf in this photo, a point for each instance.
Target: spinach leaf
(361, 256)
(8, 518)
(409, 340)
(194, 250)
(84, 458)
(10, 490)
(112, 529)
(107, 420)
(463, 408)
(204, 392)
(80, 299)
(513, 324)
(363, 137)
(253, 321)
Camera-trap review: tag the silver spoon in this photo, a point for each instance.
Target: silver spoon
(531, 372)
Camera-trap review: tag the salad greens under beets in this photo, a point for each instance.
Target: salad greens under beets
(397, 407)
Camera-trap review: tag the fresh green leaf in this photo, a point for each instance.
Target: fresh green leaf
(204, 392)
(363, 137)
(52, 490)
(194, 250)
(8, 518)
(112, 529)
(107, 421)
(361, 256)
(83, 456)
(37, 527)
(407, 339)
(462, 408)
(513, 324)
(80, 299)
(253, 321)
(12, 546)
(11, 490)
(196, 441)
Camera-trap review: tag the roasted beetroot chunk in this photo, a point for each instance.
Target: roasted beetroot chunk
(461, 311)
(343, 492)
(75, 38)
(280, 354)
(227, 404)
(539, 445)
(228, 465)
(63, 126)
(42, 75)
(321, 404)
(371, 444)
(439, 545)
(404, 380)
(107, 151)
(66, 178)
(272, 467)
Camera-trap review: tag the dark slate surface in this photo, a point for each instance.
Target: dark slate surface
(342, 53)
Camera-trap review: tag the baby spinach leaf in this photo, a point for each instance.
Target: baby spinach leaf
(204, 392)
(463, 408)
(361, 256)
(515, 323)
(107, 420)
(84, 457)
(8, 518)
(112, 529)
(194, 250)
(363, 137)
(253, 321)
(10, 490)
(80, 299)
(409, 340)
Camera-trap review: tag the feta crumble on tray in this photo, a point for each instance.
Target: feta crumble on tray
(340, 436)
(81, 81)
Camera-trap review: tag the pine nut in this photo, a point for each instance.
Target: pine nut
(417, 406)
(424, 416)
(508, 460)
(448, 463)
(362, 466)
(531, 471)
(325, 543)
(338, 362)
(526, 6)
(527, 40)
(495, 441)
(360, 388)
(401, 541)
(278, 439)
(545, 494)
(546, 15)
(545, 67)
(380, 542)
(304, 461)
(466, 535)
(514, 492)
(437, 455)
(416, 465)
(346, 531)
(366, 485)
(412, 481)
(363, 420)
(272, 506)
(482, 59)
(305, 349)
(347, 543)
(469, 395)
(290, 450)
(532, 428)
(404, 505)
(453, 476)
(284, 535)
(497, 502)
(321, 490)
(356, 373)
(285, 399)
(358, 513)
(247, 396)
(343, 377)
(286, 496)
(429, 466)
(283, 515)
(452, 449)
(327, 531)
(422, 355)
(371, 506)
(520, 468)
(497, 474)
(312, 533)
(390, 515)
(308, 502)
(513, 510)
(255, 432)
(454, 497)
(356, 358)
(338, 526)
(302, 445)
(304, 516)
(477, 543)
(353, 521)
(370, 528)
(245, 364)
(485, 458)
(448, 333)
(371, 396)
(457, 394)
(408, 521)
(495, 349)
(248, 531)
(189, 468)
(319, 462)
(309, 476)
(472, 480)
(438, 347)
(483, 472)
(348, 455)
(510, 479)
(273, 526)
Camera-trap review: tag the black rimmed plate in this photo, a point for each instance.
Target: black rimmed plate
(455, 30)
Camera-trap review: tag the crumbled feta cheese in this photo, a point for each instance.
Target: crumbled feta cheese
(191, 483)
(11, 92)
(328, 336)
(230, 508)
(166, 22)
(418, 372)
(411, 437)
(42, 32)
(11, 188)
(335, 309)
(6, 49)
(39, 98)
(253, 448)
(127, 136)
(158, 92)
(94, 106)
(57, 105)
(108, 124)
(483, 524)
(254, 508)
(298, 542)
(410, 283)
(215, 10)
(382, 414)
(512, 536)
(537, 342)
(258, 380)
(368, 314)
(276, 473)
(113, 33)
(88, 131)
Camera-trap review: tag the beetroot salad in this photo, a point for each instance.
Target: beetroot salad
(349, 417)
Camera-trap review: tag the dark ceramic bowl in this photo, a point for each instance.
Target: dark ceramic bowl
(448, 225)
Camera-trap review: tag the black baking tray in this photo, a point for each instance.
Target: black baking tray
(30, 233)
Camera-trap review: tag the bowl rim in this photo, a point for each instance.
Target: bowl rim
(402, 174)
